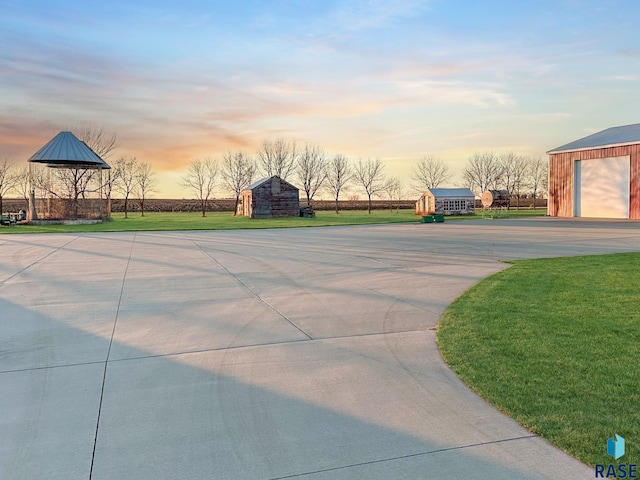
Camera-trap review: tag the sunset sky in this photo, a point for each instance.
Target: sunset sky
(385, 79)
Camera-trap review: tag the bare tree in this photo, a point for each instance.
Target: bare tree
(369, 174)
(508, 162)
(101, 143)
(393, 188)
(429, 172)
(22, 183)
(513, 173)
(39, 178)
(312, 170)
(238, 171)
(201, 179)
(339, 175)
(74, 184)
(538, 177)
(126, 179)
(7, 179)
(108, 185)
(482, 172)
(145, 183)
(278, 157)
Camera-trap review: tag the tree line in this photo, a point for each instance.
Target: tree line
(307, 166)
(518, 174)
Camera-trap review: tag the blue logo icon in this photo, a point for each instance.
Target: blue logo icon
(615, 446)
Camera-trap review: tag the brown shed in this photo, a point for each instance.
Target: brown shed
(270, 197)
(597, 176)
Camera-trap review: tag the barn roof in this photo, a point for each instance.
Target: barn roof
(451, 192)
(65, 149)
(265, 180)
(614, 136)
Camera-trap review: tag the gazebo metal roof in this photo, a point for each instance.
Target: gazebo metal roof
(66, 150)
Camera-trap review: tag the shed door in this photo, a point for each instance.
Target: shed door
(246, 204)
(602, 187)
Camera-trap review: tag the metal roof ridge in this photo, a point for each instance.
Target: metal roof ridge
(582, 149)
(66, 148)
(620, 135)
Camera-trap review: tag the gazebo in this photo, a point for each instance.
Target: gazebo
(67, 182)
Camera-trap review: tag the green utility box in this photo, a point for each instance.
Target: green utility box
(432, 218)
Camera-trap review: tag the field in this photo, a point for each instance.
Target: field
(163, 221)
(554, 344)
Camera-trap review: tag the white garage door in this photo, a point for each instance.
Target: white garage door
(602, 187)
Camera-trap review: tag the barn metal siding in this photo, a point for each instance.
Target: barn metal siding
(561, 178)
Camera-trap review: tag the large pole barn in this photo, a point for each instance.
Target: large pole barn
(597, 176)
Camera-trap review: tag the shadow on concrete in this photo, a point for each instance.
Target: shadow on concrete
(223, 414)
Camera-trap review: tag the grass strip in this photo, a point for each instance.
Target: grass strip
(166, 221)
(555, 344)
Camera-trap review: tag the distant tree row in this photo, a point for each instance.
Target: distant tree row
(307, 166)
(518, 174)
(515, 173)
(310, 168)
(132, 178)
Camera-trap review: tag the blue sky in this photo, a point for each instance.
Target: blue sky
(367, 78)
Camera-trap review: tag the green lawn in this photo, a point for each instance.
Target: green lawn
(216, 221)
(226, 221)
(555, 343)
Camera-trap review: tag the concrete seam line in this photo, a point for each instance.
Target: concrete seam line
(106, 362)
(253, 292)
(419, 454)
(205, 350)
(47, 367)
(222, 349)
(36, 261)
(234, 347)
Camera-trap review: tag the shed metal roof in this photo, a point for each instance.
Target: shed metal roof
(66, 149)
(451, 192)
(264, 180)
(255, 184)
(623, 135)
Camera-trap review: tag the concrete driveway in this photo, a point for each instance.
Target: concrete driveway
(267, 354)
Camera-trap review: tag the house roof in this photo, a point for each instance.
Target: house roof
(614, 136)
(451, 192)
(265, 180)
(66, 149)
